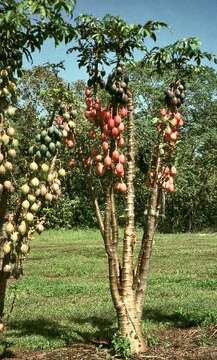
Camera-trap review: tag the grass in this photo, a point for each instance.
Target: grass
(64, 296)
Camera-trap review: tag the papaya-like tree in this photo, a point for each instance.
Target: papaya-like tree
(24, 26)
(109, 156)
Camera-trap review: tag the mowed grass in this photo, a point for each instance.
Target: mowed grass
(64, 296)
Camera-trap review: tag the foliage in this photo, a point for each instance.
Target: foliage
(26, 24)
(121, 346)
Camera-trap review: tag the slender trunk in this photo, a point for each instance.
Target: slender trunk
(3, 257)
(141, 278)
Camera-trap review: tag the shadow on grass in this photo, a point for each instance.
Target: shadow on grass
(179, 319)
(101, 332)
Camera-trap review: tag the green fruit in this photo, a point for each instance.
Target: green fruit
(62, 172)
(71, 124)
(43, 148)
(45, 168)
(31, 150)
(58, 144)
(52, 147)
(38, 137)
(38, 154)
(51, 130)
(47, 139)
(29, 217)
(44, 133)
(34, 207)
(48, 155)
(15, 142)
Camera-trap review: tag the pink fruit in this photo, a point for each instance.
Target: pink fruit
(122, 159)
(115, 132)
(115, 155)
(100, 169)
(105, 145)
(107, 161)
(117, 120)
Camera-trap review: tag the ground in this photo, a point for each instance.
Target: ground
(63, 309)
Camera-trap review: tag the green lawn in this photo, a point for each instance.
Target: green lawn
(64, 296)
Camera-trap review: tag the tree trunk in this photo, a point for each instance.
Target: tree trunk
(3, 258)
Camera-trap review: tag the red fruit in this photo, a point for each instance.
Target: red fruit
(88, 92)
(98, 157)
(100, 169)
(107, 161)
(105, 145)
(174, 135)
(115, 132)
(59, 120)
(174, 121)
(115, 155)
(168, 130)
(122, 187)
(70, 143)
(121, 142)
(89, 102)
(163, 112)
(107, 115)
(122, 111)
(72, 163)
(117, 120)
(122, 159)
(181, 122)
(173, 171)
(178, 116)
(119, 169)
(92, 134)
(88, 162)
(111, 123)
(121, 127)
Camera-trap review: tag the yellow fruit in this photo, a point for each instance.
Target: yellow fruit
(7, 247)
(1, 327)
(25, 189)
(7, 268)
(14, 236)
(45, 168)
(31, 198)
(29, 217)
(35, 182)
(33, 166)
(5, 139)
(49, 197)
(25, 204)
(34, 207)
(22, 228)
(11, 110)
(9, 228)
(24, 248)
(39, 228)
(8, 185)
(8, 165)
(11, 131)
(12, 153)
(1, 157)
(43, 190)
(2, 170)
(62, 172)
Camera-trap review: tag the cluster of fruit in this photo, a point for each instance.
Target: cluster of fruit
(175, 94)
(35, 192)
(65, 121)
(49, 141)
(117, 86)
(165, 177)
(108, 128)
(169, 124)
(7, 93)
(8, 145)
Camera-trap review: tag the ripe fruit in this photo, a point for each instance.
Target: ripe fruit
(12, 153)
(98, 157)
(117, 120)
(1, 157)
(72, 163)
(2, 170)
(22, 228)
(25, 189)
(24, 248)
(111, 123)
(9, 228)
(29, 217)
(1, 324)
(122, 159)
(121, 127)
(119, 169)
(7, 268)
(5, 139)
(107, 161)
(25, 204)
(8, 165)
(45, 168)
(173, 171)
(7, 247)
(105, 145)
(100, 169)
(121, 142)
(115, 132)
(39, 228)
(33, 166)
(115, 155)
(11, 131)
(8, 185)
(35, 182)
(62, 172)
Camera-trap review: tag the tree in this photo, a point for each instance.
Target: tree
(110, 153)
(24, 26)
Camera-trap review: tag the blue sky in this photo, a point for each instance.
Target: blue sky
(186, 18)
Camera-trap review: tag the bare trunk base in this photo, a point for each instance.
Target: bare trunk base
(129, 326)
(3, 285)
